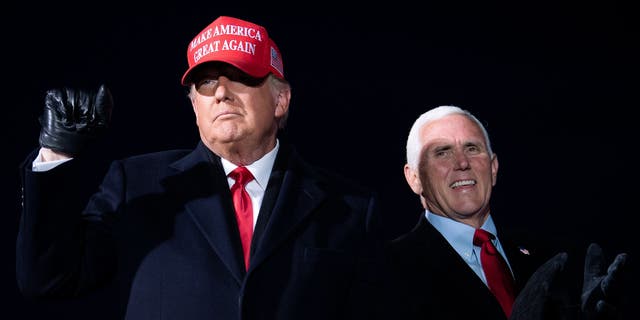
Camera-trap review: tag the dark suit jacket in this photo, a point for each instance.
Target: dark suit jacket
(162, 226)
(431, 281)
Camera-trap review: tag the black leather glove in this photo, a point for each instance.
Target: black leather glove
(536, 301)
(72, 118)
(601, 291)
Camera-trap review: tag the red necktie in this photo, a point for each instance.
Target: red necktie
(243, 207)
(499, 278)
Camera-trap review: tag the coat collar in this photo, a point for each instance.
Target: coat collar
(201, 184)
(523, 258)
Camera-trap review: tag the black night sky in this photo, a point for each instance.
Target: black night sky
(555, 83)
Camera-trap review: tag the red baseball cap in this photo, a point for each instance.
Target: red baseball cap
(240, 43)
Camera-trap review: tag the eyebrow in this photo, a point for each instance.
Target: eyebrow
(439, 145)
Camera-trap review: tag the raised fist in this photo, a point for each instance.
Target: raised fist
(72, 118)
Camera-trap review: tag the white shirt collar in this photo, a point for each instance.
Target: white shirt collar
(260, 169)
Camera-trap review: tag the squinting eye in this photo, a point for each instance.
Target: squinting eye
(440, 153)
(207, 87)
(208, 82)
(473, 149)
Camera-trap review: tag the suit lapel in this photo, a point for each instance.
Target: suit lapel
(456, 275)
(523, 257)
(203, 188)
(451, 263)
(201, 184)
(210, 216)
(426, 255)
(296, 198)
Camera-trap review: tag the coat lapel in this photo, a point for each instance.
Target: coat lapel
(297, 196)
(206, 196)
(202, 184)
(523, 257)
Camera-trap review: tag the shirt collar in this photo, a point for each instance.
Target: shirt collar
(260, 169)
(458, 234)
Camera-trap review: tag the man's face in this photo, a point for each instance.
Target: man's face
(456, 171)
(232, 107)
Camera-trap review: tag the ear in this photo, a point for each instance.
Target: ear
(193, 100)
(494, 169)
(413, 179)
(282, 102)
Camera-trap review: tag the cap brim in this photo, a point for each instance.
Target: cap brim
(241, 64)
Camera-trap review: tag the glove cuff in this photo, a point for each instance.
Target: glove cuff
(64, 142)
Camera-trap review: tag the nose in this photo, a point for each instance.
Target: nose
(222, 90)
(461, 161)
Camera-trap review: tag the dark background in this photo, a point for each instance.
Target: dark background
(555, 82)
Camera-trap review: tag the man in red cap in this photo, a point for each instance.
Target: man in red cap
(299, 243)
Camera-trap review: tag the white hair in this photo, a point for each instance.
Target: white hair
(414, 144)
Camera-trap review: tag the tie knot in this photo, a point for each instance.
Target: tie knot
(241, 175)
(482, 236)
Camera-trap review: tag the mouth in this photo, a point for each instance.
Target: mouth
(225, 114)
(462, 183)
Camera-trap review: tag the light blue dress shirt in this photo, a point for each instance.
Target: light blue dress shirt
(460, 237)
